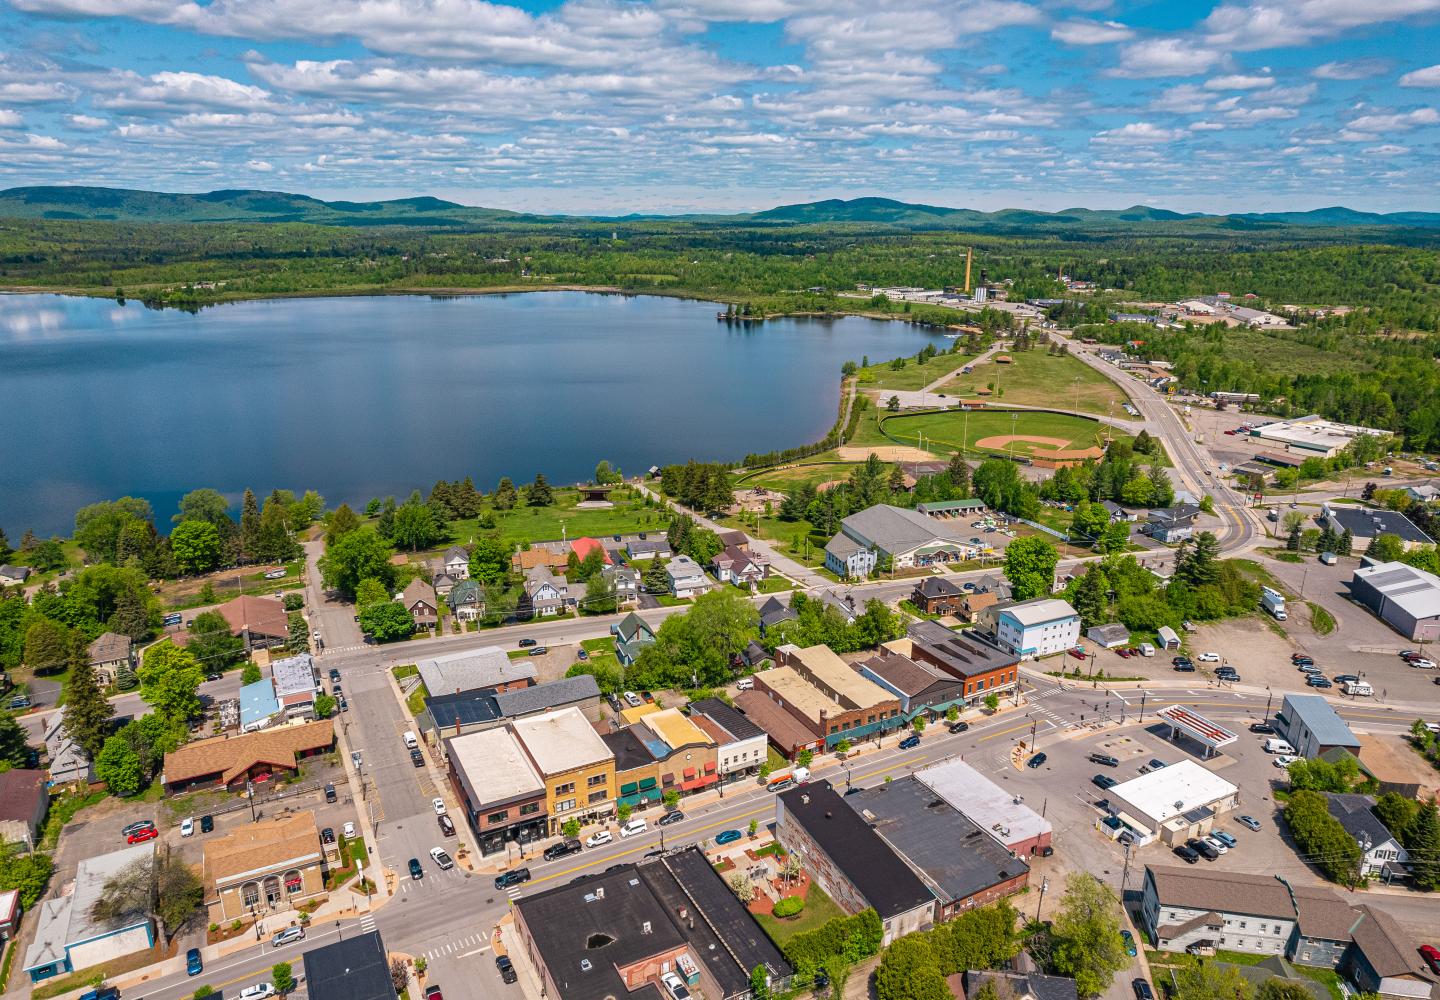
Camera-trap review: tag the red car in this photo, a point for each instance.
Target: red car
(1431, 955)
(141, 835)
(1079, 653)
(1124, 651)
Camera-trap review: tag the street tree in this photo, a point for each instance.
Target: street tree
(1085, 935)
(87, 712)
(387, 621)
(169, 679)
(282, 977)
(1030, 567)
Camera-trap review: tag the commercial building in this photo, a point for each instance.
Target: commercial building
(501, 792)
(1404, 597)
(1042, 627)
(263, 868)
(295, 681)
(1001, 814)
(849, 860)
(684, 754)
(259, 708)
(1312, 435)
(576, 765)
(9, 914)
(487, 667)
(921, 687)
(1365, 524)
(473, 711)
(356, 967)
(637, 773)
(983, 667)
(739, 743)
(960, 865)
(260, 621)
(786, 732)
(896, 536)
(24, 799)
(1183, 720)
(231, 761)
(614, 933)
(827, 696)
(67, 935)
(1311, 726)
(1171, 524)
(1173, 803)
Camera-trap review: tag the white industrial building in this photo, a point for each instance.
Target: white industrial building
(1405, 598)
(1172, 804)
(1313, 434)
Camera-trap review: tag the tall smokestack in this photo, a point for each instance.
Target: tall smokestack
(969, 254)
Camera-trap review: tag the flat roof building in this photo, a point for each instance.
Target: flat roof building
(486, 667)
(1002, 814)
(1366, 524)
(471, 711)
(502, 793)
(1404, 597)
(1173, 803)
(828, 696)
(1313, 434)
(1310, 725)
(353, 968)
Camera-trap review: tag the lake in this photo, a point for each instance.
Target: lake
(377, 395)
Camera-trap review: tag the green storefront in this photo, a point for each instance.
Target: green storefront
(638, 794)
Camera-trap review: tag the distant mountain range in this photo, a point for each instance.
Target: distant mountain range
(121, 205)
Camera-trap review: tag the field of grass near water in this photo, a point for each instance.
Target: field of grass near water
(952, 430)
(914, 374)
(535, 524)
(1035, 378)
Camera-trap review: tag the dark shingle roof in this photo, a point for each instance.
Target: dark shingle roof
(628, 749)
(938, 586)
(870, 864)
(541, 697)
(904, 674)
(1365, 523)
(726, 718)
(1353, 812)
(352, 969)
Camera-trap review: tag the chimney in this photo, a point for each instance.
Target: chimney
(805, 798)
(645, 927)
(599, 892)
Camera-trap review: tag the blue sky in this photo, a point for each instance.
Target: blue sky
(721, 105)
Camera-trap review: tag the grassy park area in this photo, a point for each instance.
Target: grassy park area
(534, 524)
(1034, 378)
(914, 374)
(990, 431)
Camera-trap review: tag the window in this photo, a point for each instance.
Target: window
(870, 720)
(595, 779)
(599, 796)
(250, 893)
(499, 817)
(565, 789)
(1242, 925)
(565, 805)
(530, 809)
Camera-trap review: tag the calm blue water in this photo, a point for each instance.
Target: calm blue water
(371, 396)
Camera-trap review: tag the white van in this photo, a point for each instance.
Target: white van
(633, 826)
(1279, 746)
(410, 741)
(1361, 689)
(745, 684)
(1146, 649)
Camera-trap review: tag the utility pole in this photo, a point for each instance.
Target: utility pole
(1125, 874)
(1142, 705)
(1044, 884)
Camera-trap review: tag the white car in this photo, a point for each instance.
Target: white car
(441, 859)
(1219, 845)
(598, 837)
(260, 991)
(634, 826)
(349, 830)
(675, 986)
(288, 936)
(187, 827)
(1285, 760)
(1423, 663)
(439, 805)
(1208, 657)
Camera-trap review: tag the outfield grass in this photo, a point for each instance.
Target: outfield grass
(951, 430)
(1035, 378)
(914, 375)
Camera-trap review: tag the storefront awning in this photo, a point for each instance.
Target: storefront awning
(709, 767)
(697, 783)
(639, 798)
(689, 772)
(647, 783)
(629, 788)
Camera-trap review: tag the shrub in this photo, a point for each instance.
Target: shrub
(294, 601)
(789, 906)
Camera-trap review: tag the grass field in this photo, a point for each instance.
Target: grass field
(914, 375)
(1035, 378)
(951, 431)
(534, 524)
(819, 908)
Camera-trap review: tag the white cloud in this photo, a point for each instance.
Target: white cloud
(170, 91)
(1160, 57)
(1183, 98)
(1081, 32)
(1354, 69)
(1239, 82)
(88, 122)
(1401, 121)
(1267, 24)
(1386, 150)
(10, 119)
(1427, 77)
(1207, 127)
(1138, 134)
(259, 166)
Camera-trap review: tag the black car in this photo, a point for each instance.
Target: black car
(1203, 849)
(910, 742)
(327, 835)
(506, 968)
(526, 643)
(1104, 781)
(560, 850)
(514, 877)
(1263, 728)
(1142, 990)
(214, 675)
(1185, 668)
(417, 758)
(1182, 661)
(1186, 855)
(207, 824)
(1228, 675)
(329, 792)
(958, 727)
(416, 871)
(334, 674)
(1036, 761)
(674, 816)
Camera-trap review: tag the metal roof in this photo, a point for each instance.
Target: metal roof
(1414, 591)
(1315, 712)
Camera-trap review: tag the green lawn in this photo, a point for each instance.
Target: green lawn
(775, 585)
(1035, 378)
(952, 430)
(534, 524)
(914, 375)
(819, 908)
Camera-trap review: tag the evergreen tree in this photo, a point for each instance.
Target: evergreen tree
(28, 541)
(385, 527)
(87, 713)
(273, 541)
(505, 494)
(249, 526)
(539, 494)
(1090, 597)
(897, 479)
(656, 580)
(131, 617)
(1293, 541)
(1198, 566)
(1424, 848)
(5, 550)
(1347, 543)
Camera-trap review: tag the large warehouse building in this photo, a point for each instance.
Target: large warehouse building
(1405, 598)
(1312, 435)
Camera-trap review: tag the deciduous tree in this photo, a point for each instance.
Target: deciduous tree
(169, 679)
(47, 646)
(1085, 935)
(118, 765)
(1030, 567)
(341, 522)
(489, 559)
(161, 886)
(196, 546)
(387, 621)
(359, 555)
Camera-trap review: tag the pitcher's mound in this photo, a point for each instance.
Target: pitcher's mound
(887, 453)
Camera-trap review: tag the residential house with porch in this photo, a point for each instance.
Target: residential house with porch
(632, 635)
(456, 563)
(263, 868)
(972, 606)
(1382, 855)
(69, 765)
(467, 601)
(733, 564)
(937, 595)
(547, 554)
(647, 548)
(545, 593)
(110, 654)
(260, 621)
(443, 583)
(1171, 524)
(687, 579)
(499, 788)
(14, 576)
(625, 580)
(420, 600)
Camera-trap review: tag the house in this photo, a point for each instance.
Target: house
(467, 601)
(481, 709)
(647, 548)
(992, 584)
(773, 612)
(545, 593)
(1404, 597)
(687, 579)
(893, 538)
(295, 680)
(740, 744)
(14, 576)
(110, 654)
(262, 868)
(1382, 854)
(843, 605)
(1384, 959)
(69, 764)
(1171, 524)
(850, 861)
(68, 937)
(24, 798)
(1311, 726)
(9, 914)
(230, 762)
(443, 583)
(734, 539)
(1014, 985)
(973, 605)
(488, 667)
(525, 560)
(1109, 636)
(259, 707)
(936, 595)
(632, 635)
(1118, 514)
(420, 600)
(356, 967)
(736, 565)
(499, 789)
(1366, 524)
(1040, 627)
(625, 581)
(1172, 804)
(456, 563)
(823, 692)
(577, 767)
(260, 621)
(922, 689)
(998, 812)
(960, 865)
(983, 667)
(1424, 492)
(582, 547)
(612, 933)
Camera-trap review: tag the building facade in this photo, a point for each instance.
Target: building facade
(1033, 629)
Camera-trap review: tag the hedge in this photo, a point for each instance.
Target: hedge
(852, 938)
(789, 906)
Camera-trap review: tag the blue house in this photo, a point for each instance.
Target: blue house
(68, 938)
(258, 705)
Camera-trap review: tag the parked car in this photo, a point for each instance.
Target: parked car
(334, 674)
(1299, 658)
(1201, 848)
(1346, 679)
(673, 816)
(193, 965)
(439, 805)
(910, 742)
(1181, 661)
(1208, 657)
(1224, 838)
(136, 827)
(1219, 845)
(1036, 761)
(1228, 675)
(327, 835)
(958, 727)
(514, 877)
(1431, 955)
(632, 699)
(1263, 728)
(506, 968)
(675, 986)
(633, 826)
(1185, 668)
(1186, 855)
(1104, 781)
(1078, 652)
(355, 758)
(1316, 681)
(727, 837)
(1142, 989)
(1155, 764)
(560, 850)
(432, 992)
(442, 860)
(260, 991)
(1249, 823)
(1129, 940)
(539, 651)
(447, 828)
(187, 826)
(1422, 663)
(288, 936)
(417, 758)
(141, 835)
(599, 837)
(1286, 759)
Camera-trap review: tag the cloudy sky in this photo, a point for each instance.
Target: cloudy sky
(678, 105)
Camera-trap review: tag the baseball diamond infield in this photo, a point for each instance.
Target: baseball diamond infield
(1052, 448)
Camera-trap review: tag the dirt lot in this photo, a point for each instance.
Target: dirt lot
(886, 453)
